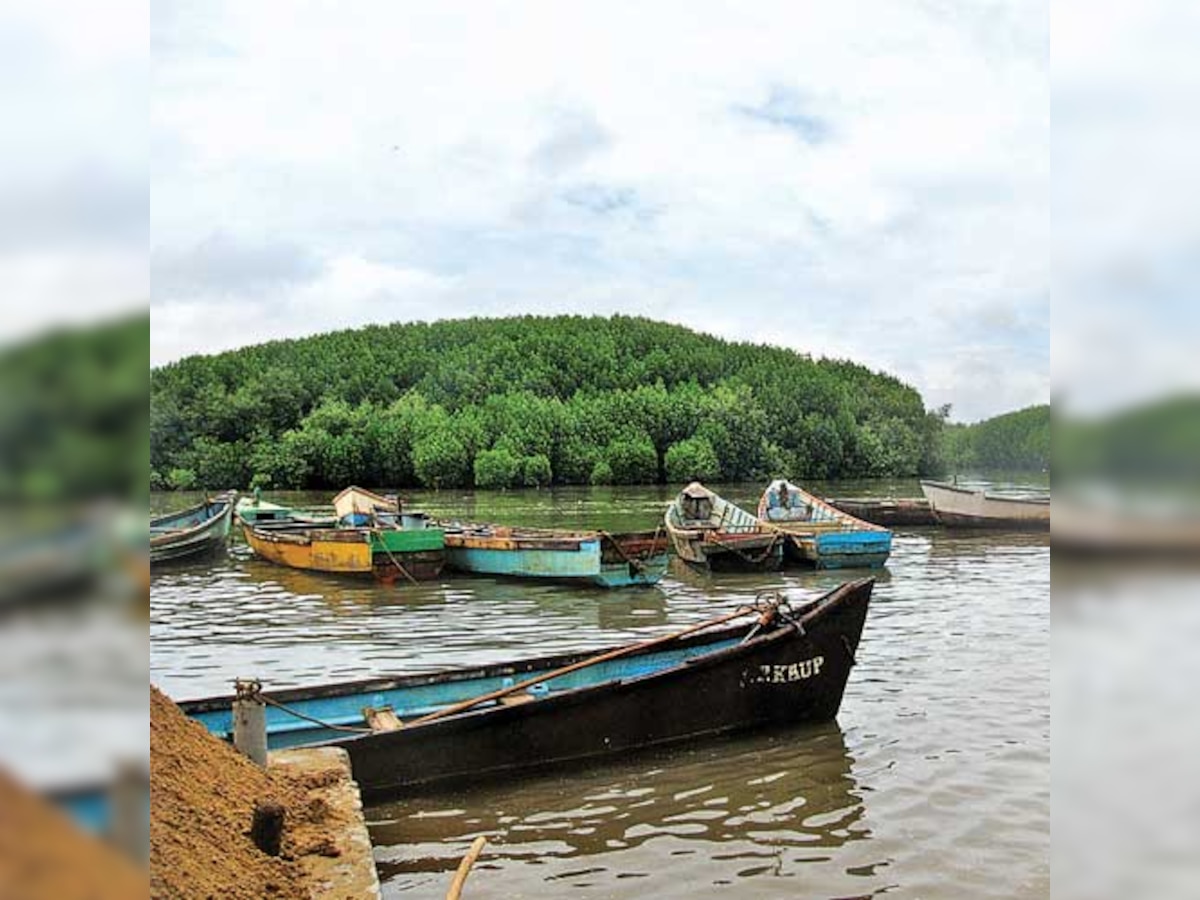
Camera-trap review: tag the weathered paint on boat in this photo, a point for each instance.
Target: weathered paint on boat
(192, 531)
(793, 669)
(622, 560)
(960, 507)
(711, 533)
(350, 551)
(820, 534)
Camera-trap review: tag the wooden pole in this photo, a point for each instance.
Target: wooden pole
(250, 721)
(464, 868)
(575, 667)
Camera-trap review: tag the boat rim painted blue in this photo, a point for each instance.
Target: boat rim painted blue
(388, 683)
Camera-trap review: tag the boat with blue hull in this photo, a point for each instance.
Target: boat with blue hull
(819, 534)
(597, 558)
(779, 666)
(190, 532)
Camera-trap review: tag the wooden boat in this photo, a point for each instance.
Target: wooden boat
(962, 507)
(387, 553)
(711, 533)
(819, 534)
(370, 536)
(256, 511)
(593, 557)
(782, 666)
(891, 512)
(192, 531)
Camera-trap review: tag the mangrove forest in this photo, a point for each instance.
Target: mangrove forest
(528, 401)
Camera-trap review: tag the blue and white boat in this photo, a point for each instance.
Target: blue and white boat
(820, 535)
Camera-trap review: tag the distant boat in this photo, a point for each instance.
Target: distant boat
(962, 507)
(783, 666)
(370, 536)
(711, 533)
(192, 531)
(594, 557)
(818, 533)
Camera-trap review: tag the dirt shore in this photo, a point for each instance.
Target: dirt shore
(203, 794)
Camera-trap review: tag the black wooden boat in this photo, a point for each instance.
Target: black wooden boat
(783, 666)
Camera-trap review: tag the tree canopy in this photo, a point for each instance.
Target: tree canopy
(527, 401)
(1016, 441)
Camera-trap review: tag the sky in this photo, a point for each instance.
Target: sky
(869, 183)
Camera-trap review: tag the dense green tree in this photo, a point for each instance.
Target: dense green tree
(497, 468)
(572, 399)
(692, 458)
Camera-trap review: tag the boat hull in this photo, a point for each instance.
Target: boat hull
(957, 507)
(600, 559)
(349, 551)
(819, 534)
(715, 683)
(193, 532)
(841, 549)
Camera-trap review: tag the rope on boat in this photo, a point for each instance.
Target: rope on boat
(395, 562)
(299, 715)
(637, 565)
(745, 557)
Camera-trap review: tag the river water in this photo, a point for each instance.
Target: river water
(934, 782)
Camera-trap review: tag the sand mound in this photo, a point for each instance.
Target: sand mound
(203, 793)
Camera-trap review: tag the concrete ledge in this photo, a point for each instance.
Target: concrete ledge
(345, 867)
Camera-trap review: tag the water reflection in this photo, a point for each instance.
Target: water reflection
(744, 808)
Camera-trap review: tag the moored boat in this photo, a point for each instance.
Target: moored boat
(783, 666)
(594, 557)
(709, 532)
(820, 534)
(190, 532)
(890, 512)
(256, 511)
(370, 536)
(961, 507)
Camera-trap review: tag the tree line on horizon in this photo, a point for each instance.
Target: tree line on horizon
(1015, 441)
(528, 401)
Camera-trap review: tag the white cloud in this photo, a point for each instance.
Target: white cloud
(542, 152)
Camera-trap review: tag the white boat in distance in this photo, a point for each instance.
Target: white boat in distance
(961, 507)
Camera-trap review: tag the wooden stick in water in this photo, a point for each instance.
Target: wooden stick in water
(464, 705)
(464, 868)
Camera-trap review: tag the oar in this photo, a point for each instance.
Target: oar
(464, 705)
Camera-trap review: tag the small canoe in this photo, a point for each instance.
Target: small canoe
(960, 507)
(710, 533)
(390, 554)
(591, 557)
(192, 531)
(783, 666)
(820, 535)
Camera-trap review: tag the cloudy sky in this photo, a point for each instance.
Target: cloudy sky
(852, 180)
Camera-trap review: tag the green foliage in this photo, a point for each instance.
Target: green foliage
(632, 460)
(692, 459)
(182, 479)
(498, 468)
(506, 402)
(1014, 441)
(441, 460)
(536, 471)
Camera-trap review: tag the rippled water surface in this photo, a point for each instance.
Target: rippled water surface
(934, 782)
